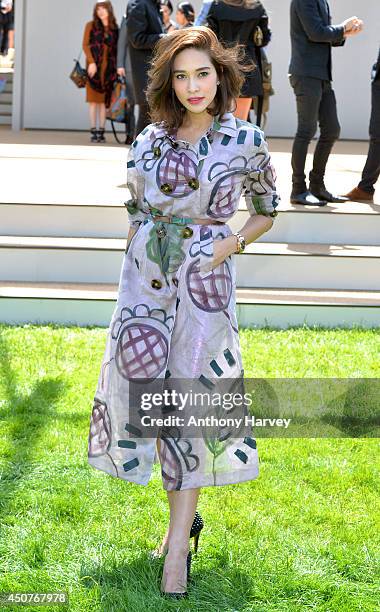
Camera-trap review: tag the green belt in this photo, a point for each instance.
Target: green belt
(174, 219)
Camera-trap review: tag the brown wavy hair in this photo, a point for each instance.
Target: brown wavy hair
(229, 63)
(111, 16)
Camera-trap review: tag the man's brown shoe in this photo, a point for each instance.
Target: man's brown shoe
(358, 195)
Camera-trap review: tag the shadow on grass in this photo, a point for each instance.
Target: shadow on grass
(24, 418)
(135, 586)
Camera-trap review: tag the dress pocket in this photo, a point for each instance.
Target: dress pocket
(207, 243)
(206, 253)
(136, 248)
(129, 244)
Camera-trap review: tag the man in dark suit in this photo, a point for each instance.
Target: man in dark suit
(124, 70)
(144, 29)
(364, 192)
(310, 74)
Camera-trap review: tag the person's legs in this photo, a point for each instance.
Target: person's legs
(371, 171)
(183, 505)
(3, 32)
(4, 41)
(130, 125)
(143, 118)
(93, 113)
(330, 130)
(102, 115)
(102, 122)
(242, 108)
(308, 92)
(93, 121)
(11, 39)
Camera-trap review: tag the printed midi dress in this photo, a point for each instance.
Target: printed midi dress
(175, 316)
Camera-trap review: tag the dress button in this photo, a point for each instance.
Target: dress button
(166, 188)
(161, 232)
(193, 183)
(156, 151)
(187, 232)
(156, 284)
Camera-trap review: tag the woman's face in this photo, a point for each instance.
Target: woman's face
(194, 79)
(102, 12)
(165, 13)
(180, 18)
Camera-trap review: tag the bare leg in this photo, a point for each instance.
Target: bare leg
(11, 39)
(102, 115)
(242, 108)
(93, 113)
(182, 509)
(162, 549)
(165, 542)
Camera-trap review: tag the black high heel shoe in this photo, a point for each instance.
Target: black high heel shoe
(196, 529)
(188, 570)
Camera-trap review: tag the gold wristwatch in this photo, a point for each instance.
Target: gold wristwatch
(240, 242)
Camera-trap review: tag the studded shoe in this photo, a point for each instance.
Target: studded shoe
(196, 529)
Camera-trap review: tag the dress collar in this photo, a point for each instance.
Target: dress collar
(225, 124)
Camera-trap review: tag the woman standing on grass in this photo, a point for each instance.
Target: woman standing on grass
(100, 47)
(175, 319)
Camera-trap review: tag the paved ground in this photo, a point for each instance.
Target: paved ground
(42, 167)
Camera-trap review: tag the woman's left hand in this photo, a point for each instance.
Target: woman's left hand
(222, 249)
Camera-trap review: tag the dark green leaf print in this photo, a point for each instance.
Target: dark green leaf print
(166, 252)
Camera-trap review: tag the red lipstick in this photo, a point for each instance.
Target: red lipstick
(195, 100)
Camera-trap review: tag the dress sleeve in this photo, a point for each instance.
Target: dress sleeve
(135, 184)
(259, 189)
(86, 43)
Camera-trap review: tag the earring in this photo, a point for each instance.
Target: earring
(218, 82)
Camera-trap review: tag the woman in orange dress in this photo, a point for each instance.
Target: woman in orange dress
(100, 47)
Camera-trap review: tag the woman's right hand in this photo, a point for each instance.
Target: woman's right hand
(91, 70)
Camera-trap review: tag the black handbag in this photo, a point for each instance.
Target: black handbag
(78, 74)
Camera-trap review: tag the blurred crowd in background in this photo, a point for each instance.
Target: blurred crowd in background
(114, 53)
(7, 33)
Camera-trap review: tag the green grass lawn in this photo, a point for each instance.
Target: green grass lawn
(303, 536)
